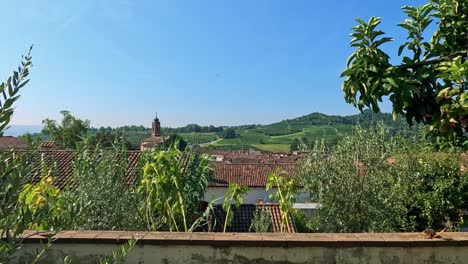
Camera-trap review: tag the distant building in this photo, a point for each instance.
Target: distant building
(9, 143)
(156, 139)
(49, 145)
(255, 176)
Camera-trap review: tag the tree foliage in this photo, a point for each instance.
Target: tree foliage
(372, 181)
(299, 144)
(229, 133)
(107, 138)
(429, 86)
(69, 132)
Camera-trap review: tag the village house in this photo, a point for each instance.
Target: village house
(9, 143)
(49, 145)
(253, 176)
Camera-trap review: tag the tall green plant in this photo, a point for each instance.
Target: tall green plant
(234, 194)
(172, 185)
(15, 171)
(14, 167)
(9, 90)
(285, 194)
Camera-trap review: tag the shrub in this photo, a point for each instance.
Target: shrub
(261, 222)
(373, 182)
(100, 189)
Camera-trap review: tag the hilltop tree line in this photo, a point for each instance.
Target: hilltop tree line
(70, 129)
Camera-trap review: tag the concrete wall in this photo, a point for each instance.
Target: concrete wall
(259, 248)
(251, 197)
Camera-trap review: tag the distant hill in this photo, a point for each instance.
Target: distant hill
(18, 130)
(276, 137)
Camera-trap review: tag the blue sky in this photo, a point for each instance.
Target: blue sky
(117, 62)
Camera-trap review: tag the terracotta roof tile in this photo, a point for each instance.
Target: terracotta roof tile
(8, 143)
(252, 175)
(61, 161)
(275, 213)
(49, 145)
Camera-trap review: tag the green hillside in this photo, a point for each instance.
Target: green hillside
(278, 137)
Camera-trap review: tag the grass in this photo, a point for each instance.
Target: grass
(249, 137)
(273, 147)
(280, 143)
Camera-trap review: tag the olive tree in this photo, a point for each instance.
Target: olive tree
(429, 85)
(372, 181)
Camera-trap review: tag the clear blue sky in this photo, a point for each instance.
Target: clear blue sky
(117, 62)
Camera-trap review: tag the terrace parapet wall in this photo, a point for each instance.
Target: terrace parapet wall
(165, 247)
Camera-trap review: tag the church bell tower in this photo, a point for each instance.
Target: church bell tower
(156, 129)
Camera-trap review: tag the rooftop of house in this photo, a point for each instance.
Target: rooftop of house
(236, 157)
(61, 161)
(49, 145)
(252, 175)
(9, 142)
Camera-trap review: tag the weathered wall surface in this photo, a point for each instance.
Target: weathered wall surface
(257, 248)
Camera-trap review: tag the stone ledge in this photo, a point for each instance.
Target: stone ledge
(252, 239)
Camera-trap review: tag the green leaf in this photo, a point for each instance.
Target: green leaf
(392, 82)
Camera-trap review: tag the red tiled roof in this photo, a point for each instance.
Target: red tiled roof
(61, 161)
(275, 213)
(252, 175)
(49, 145)
(8, 143)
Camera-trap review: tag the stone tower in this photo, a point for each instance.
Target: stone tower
(156, 130)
